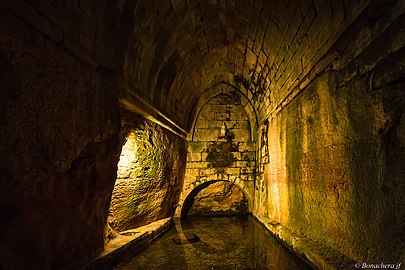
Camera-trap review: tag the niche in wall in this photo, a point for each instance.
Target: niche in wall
(149, 177)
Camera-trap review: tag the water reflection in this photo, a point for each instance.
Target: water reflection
(216, 243)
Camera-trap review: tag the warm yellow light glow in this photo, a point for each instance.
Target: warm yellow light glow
(276, 201)
(128, 157)
(278, 208)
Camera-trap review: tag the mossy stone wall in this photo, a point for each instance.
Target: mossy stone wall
(150, 176)
(336, 165)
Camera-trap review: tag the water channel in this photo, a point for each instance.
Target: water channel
(238, 242)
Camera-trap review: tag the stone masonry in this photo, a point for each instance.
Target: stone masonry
(229, 156)
(299, 103)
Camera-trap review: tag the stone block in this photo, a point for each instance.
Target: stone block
(204, 156)
(243, 164)
(202, 124)
(193, 157)
(240, 135)
(216, 124)
(248, 156)
(239, 115)
(232, 171)
(197, 165)
(202, 135)
(192, 173)
(222, 116)
(261, 30)
(196, 147)
(209, 173)
(247, 170)
(243, 146)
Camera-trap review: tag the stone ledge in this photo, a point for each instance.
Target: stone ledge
(128, 243)
(317, 255)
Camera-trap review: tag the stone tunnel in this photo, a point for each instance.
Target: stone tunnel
(117, 114)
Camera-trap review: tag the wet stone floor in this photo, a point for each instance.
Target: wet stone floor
(216, 243)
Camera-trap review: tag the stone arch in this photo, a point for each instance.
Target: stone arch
(225, 88)
(187, 199)
(212, 155)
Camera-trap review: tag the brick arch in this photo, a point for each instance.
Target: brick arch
(225, 88)
(209, 156)
(187, 196)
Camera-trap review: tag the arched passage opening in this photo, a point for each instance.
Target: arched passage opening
(222, 145)
(216, 197)
(149, 176)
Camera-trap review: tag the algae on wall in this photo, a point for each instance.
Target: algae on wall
(335, 168)
(220, 156)
(150, 176)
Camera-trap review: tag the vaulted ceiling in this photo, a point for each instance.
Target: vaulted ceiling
(176, 51)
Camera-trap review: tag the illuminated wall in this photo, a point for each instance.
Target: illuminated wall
(332, 171)
(149, 178)
(222, 148)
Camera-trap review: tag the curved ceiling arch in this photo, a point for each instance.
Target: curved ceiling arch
(178, 49)
(225, 88)
(176, 52)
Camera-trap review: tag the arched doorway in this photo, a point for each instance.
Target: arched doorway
(216, 197)
(222, 146)
(149, 177)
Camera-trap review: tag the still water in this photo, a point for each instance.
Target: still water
(216, 243)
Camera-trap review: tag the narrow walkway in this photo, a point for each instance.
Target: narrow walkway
(129, 242)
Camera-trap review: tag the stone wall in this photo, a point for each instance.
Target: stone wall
(150, 176)
(229, 156)
(326, 79)
(59, 148)
(335, 159)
